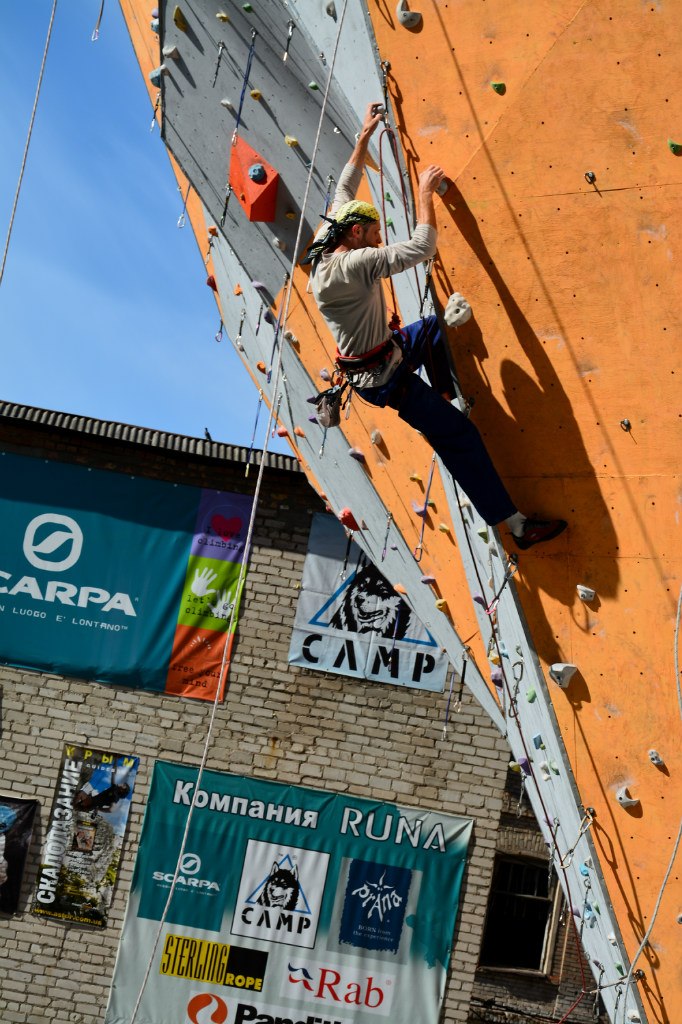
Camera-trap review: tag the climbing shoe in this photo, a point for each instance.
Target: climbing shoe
(535, 531)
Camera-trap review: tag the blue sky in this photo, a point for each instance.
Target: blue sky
(104, 309)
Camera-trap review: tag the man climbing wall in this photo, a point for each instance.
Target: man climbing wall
(349, 261)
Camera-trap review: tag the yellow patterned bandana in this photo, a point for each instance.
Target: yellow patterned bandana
(355, 211)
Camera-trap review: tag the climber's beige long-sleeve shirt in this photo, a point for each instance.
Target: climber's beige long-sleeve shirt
(347, 286)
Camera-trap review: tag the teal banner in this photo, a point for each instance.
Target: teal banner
(117, 578)
(290, 904)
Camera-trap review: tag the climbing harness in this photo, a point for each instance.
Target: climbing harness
(375, 359)
(247, 72)
(28, 140)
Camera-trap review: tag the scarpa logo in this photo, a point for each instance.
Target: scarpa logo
(190, 864)
(206, 1008)
(65, 536)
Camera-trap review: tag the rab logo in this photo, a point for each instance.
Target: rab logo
(328, 985)
(66, 531)
(215, 1007)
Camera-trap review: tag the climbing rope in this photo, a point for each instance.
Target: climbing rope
(28, 140)
(247, 543)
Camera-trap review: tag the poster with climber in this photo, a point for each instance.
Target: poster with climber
(350, 621)
(16, 828)
(119, 579)
(81, 856)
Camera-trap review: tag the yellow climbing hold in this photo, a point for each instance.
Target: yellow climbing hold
(441, 604)
(444, 528)
(180, 20)
(416, 478)
(291, 141)
(256, 94)
(221, 16)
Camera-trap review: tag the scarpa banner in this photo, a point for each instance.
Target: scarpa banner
(350, 620)
(80, 861)
(291, 904)
(116, 578)
(16, 826)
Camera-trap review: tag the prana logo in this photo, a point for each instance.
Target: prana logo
(65, 531)
(378, 898)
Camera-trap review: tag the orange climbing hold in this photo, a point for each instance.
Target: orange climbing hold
(258, 198)
(260, 365)
(299, 431)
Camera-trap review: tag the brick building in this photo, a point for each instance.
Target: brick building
(277, 722)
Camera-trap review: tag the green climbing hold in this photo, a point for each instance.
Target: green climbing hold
(499, 87)
(247, 7)
(675, 147)
(483, 534)
(554, 766)
(531, 695)
(314, 86)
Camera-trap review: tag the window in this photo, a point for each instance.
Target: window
(520, 925)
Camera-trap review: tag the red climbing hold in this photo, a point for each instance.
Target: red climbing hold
(348, 519)
(210, 281)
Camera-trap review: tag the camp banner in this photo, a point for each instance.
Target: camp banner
(82, 850)
(116, 578)
(291, 904)
(16, 826)
(350, 620)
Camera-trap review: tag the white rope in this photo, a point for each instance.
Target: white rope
(28, 141)
(247, 546)
(645, 939)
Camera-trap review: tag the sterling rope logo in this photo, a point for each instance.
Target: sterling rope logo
(52, 542)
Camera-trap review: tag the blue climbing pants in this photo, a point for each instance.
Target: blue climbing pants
(449, 432)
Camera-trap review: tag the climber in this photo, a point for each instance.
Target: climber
(348, 261)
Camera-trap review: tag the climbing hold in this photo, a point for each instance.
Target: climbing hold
(531, 695)
(299, 431)
(420, 510)
(406, 17)
(312, 419)
(221, 16)
(444, 528)
(278, 243)
(585, 593)
(399, 588)
(463, 502)
(375, 437)
(170, 51)
(562, 672)
(210, 281)
(325, 374)
(624, 799)
(626, 426)
(590, 177)
(416, 478)
(428, 579)
(259, 286)
(515, 767)
(268, 317)
(634, 1017)
(584, 871)
(494, 658)
(180, 20)
(656, 759)
(282, 432)
(213, 231)
(537, 742)
(675, 147)
(499, 87)
(228, 104)
(291, 141)
(155, 25)
(544, 770)
(348, 519)
(483, 534)
(247, 7)
(444, 186)
(356, 453)
(479, 599)
(314, 86)
(612, 939)
(255, 94)
(155, 75)
(257, 173)
(457, 311)
(497, 677)
(389, 222)
(441, 604)
(238, 290)
(330, 9)
(291, 338)
(290, 215)
(524, 765)
(260, 365)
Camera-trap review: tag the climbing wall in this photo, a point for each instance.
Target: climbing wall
(555, 125)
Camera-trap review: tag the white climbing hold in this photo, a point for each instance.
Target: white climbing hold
(457, 311)
(155, 75)
(624, 799)
(656, 758)
(375, 437)
(612, 939)
(634, 1017)
(586, 593)
(290, 337)
(279, 244)
(171, 51)
(228, 104)
(562, 672)
(406, 17)
(544, 769)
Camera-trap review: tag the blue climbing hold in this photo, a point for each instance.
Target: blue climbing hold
(257, 173)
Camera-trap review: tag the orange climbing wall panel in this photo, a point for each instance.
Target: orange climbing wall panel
(575, 289)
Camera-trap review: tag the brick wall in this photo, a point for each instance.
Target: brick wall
(277, 722)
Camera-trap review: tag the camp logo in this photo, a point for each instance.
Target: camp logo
(206, 1008)
(374, 905)
(280, 894)
(345, 986)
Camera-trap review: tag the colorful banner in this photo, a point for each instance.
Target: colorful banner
(291, 904)
(80, 861)
(16, 827)
(116, 578)
(349, 619)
